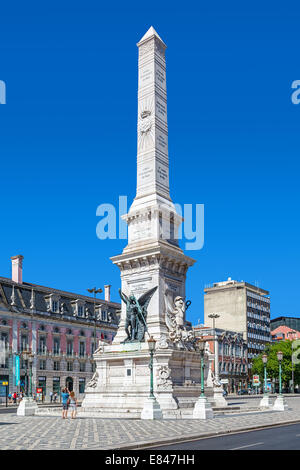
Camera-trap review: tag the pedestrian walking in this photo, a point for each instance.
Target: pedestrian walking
(51, 397)
(65, 402)
(55, 397)
(15, 397)
(73, 405)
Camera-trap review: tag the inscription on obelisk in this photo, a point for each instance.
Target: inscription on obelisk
(152, 156)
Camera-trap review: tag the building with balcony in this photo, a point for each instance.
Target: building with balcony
(61, 329)
(232, 354)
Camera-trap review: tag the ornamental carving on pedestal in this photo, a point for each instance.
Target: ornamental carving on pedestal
(162, 342)
(164, 381)
(180, 337)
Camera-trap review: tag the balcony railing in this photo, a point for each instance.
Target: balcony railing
(71, 354)
(42, 351)
(57, 352)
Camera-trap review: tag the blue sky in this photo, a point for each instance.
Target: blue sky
(68, 137)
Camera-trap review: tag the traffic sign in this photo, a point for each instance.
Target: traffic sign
(255, 381)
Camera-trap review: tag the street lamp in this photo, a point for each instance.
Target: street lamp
(201, 348)
(151, 409)
(30, 373)
(280, 403)
(280, 357)
(95, 291)
(27, 406)
(264, 402)
(214, 316)
(151, 346)
(202, 408)
(25, 355)
(265, 360)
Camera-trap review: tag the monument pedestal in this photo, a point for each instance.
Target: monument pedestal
(265, 402)
(120, 387)
(280, 404)
(202, 409)
(27, 407)
(218, 400)
(151, 409)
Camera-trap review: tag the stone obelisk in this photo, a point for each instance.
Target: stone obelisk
(151, 259)
(152, 256)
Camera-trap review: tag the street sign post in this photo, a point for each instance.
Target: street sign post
(39, 393)
(4, 387)
(256, 382)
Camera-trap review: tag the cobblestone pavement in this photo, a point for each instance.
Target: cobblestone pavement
(52, 432)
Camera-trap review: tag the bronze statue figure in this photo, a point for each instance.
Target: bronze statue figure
(136, 315)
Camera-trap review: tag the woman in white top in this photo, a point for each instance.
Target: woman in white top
(73, 405)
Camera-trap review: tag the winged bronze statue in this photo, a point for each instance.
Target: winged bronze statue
(136, 315)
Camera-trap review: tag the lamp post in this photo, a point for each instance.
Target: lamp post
(264, 402)
(151, 345)
(265, 360)
(201, 347)
(25, 355)
(30, 373)
(280, 403)
(293, 386)
(27, 406)
(151, 409)
(95, 291)
(202, 408)
(214, 316)
(219, 399)
(280, 357)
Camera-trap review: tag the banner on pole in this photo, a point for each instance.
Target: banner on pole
(17, 370)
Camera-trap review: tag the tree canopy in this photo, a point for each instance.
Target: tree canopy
(273, 365)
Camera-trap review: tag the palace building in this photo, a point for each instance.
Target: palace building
(60, 329)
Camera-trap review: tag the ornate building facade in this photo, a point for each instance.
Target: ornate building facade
(60, 329)
(232, 356)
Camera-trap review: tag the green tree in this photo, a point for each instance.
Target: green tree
(273, 365)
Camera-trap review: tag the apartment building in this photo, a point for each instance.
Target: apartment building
(243, 308)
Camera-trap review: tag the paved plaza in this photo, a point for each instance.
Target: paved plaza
(54, 433)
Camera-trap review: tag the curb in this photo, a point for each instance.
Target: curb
(194, 437)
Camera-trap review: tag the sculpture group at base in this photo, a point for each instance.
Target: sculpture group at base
(179, 335)
(136, 315)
